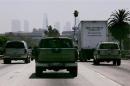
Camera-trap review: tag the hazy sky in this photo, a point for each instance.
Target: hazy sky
(56, 10)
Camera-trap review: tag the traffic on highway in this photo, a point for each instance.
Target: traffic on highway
(93, 52)
(55, 62)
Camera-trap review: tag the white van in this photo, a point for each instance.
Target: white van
(16, 50)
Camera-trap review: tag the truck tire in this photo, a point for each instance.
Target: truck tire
(74, 71)
(114, 62)
(27, 60)
(118, 62)
(38, 71)
(32, 58)
(96, 62)
(7, 61)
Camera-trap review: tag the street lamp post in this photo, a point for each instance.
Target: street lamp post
(75, 28)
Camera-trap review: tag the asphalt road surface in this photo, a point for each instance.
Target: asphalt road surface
(20, 74)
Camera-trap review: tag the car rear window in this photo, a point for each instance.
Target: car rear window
(56, 43)
(108, 46)
(14, 45)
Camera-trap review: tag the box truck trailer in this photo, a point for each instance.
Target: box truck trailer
(89, 35)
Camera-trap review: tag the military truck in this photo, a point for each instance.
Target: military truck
(106, 52)
(56, 53)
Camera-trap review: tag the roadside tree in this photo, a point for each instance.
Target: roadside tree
(52, 32)
(118, 25)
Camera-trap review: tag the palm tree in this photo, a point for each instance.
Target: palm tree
(118, 25)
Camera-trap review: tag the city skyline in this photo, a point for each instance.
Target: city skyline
(57, 11)
(15, 25)
(26, 26)
(19, 25)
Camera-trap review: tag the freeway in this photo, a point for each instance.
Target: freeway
(20, 74)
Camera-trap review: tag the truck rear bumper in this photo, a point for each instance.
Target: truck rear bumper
(56, 65)
(108, 58)
(22, 57)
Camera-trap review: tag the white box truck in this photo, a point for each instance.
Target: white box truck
(89, 35)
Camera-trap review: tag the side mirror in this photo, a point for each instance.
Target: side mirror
(29, 47)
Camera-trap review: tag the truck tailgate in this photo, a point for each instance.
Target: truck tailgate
(14, 52)
(56, 54)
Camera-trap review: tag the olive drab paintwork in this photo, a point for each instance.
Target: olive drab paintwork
(56, 54)
(106, 52)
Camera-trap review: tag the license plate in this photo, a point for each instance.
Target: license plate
(56, 64)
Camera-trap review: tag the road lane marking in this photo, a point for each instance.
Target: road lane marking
(95, 78)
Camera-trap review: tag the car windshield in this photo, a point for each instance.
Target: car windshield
(56, 43)
(14, 45)
(108, 46)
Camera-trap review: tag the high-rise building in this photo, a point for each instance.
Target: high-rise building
(45, 21)
(26, 26)
(16, 25)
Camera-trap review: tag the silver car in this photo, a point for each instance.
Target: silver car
(16, 50)
(106, 52)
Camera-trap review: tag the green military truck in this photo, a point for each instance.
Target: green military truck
(106, 52)
(56, 54)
